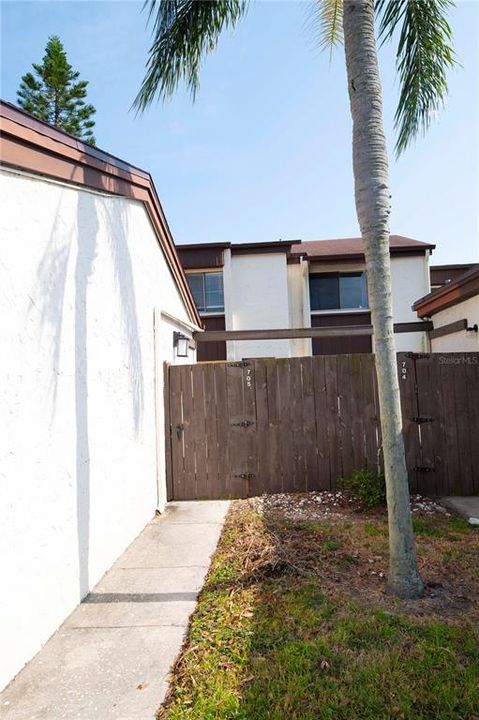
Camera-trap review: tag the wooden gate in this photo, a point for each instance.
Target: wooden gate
(239, 429)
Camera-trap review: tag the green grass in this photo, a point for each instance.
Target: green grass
(278, 646)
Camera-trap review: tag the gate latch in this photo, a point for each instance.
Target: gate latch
(420, 420)
(179, 430)
(243, 423)
(424, 468)
(245, 476)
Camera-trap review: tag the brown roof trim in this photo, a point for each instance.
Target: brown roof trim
(261, 248)
(450, 294)
(200, 246)
(34, 146)
(457, 266)
(359, 257)
(350, 249)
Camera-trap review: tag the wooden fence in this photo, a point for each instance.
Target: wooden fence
(238, 429)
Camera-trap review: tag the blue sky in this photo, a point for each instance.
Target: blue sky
(265, 151)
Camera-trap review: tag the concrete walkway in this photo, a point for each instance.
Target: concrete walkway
(466, 506)
(111, 658)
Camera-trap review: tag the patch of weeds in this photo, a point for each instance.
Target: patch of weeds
(423, 527)
(453, 554)
(331, 545)
(368, 487)
(461, 524)
(373, 530)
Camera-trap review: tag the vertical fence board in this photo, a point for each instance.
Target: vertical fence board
(463, 481)
(472, 412)
(263, 435)
(332, 419)
(198, 427)
(450, 430)
(222, 431)
(168, 432)
(321, 410)
(211, 431)
(284, 413)
(309, 425)
(274, 481)
(296, 432)
(438, 425)
(176, 433)
(410, 410)
(189, 476)
(345, 415)
(426, 429)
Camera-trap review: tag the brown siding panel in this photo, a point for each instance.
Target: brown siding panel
(201, 257)
(214, 350)
(346, 344)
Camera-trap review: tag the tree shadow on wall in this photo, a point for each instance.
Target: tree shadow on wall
(92, 214)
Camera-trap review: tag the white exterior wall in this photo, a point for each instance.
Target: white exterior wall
(410, 281)
(256, 297)
(299, 347)
(81, 275)
(461, 341)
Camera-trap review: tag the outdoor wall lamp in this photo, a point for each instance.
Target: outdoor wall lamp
(181, 343)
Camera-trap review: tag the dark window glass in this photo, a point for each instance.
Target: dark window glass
(324, 292)
(352, 290)
(214, 291)
(338, 291)
(207, 290)
(196, 284)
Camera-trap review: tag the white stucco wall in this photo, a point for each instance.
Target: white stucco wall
(81, 275)
(410, 281)
(298, 347)
(256, 297)
(461, 341)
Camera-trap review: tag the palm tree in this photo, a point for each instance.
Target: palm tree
(186, 30)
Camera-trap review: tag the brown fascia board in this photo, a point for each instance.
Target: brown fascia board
(360, 257)
(261, 248)
(457, 266)
(31, 145)
(200, 246)
(450, 294)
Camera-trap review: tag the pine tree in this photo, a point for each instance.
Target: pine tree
(54, 94)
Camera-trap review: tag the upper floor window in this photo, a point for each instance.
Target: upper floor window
(207, 289)
(338, 291)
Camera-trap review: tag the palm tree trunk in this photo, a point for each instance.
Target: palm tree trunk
(373, 207)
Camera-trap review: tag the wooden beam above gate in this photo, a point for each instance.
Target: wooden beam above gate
(313, 332)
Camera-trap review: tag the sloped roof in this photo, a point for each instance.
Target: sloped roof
(341, 248)
(452, 293)
(37, 147)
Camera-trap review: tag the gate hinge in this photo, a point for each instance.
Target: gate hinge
(241, 363)
(420, 420)
(246, 476)
(243, 423)
(424, 468)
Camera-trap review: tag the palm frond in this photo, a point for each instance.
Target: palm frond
(327, 22)
(423, 57)
(184, 31)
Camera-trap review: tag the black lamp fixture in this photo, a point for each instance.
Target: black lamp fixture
(181, 343)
